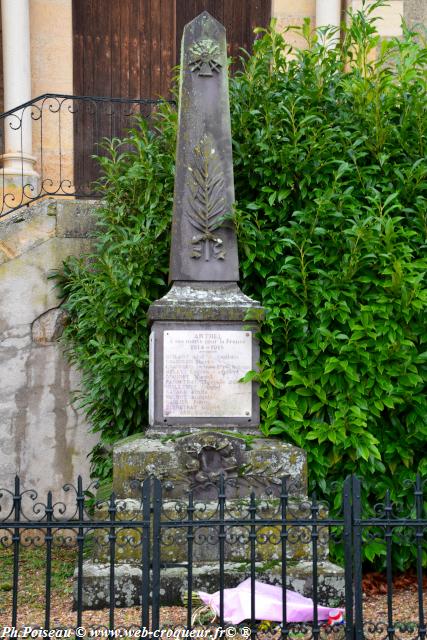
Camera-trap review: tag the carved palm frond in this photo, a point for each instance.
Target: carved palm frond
(205, 204)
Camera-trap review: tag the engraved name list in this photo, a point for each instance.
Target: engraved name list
(201, 372)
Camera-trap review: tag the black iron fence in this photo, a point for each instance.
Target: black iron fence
(47, 145)
(149, 551)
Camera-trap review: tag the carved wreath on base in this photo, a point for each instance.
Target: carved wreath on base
(209, 462)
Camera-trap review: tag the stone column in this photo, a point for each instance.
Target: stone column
(328, 13)
(17, 159)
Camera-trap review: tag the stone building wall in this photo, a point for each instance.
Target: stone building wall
(415, 12)
(43, 437)
(293, 12)
(51, 46)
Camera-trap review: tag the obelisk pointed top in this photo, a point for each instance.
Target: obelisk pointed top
(205, 15)
(204, 246)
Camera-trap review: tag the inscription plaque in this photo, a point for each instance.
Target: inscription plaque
(201, 373)
(151, 353)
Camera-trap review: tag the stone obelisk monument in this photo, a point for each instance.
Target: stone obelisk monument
(203, 342)
(203, 337)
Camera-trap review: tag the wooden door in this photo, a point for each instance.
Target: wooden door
(123, 48)
(128, 49)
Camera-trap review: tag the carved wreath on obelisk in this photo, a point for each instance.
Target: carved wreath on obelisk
(205, 204)
(204, 57)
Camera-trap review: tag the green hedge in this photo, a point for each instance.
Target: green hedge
(331, 182)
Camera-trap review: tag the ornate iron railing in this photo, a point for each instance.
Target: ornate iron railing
(47, 145)
(149, 535)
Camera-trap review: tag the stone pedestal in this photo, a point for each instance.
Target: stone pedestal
(202, 343)
(194, 461)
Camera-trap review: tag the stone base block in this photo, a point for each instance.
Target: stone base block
(173, 582)
(196, 460)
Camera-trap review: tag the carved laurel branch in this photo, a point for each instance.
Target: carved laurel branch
(205, 203)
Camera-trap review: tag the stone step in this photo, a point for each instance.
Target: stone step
(174, 585)
(174, 546)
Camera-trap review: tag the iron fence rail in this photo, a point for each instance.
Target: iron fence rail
(274, 520)
(47, 145)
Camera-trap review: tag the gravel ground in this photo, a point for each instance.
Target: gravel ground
(32, 587)
(405, 609)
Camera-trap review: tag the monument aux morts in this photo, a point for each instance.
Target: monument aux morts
(200, 343)
(203, 342)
